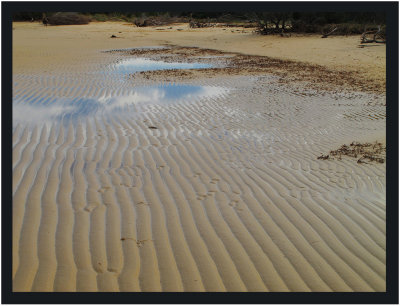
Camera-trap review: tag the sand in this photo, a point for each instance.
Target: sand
(217, 193)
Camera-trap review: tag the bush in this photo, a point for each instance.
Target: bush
(99, 17)
(155, 21)
(300, 26)
(68, 18)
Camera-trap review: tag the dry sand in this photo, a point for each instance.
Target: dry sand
(224, 193)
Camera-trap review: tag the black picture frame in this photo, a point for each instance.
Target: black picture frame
(388, 297)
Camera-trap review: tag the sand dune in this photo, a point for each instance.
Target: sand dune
(223, 193)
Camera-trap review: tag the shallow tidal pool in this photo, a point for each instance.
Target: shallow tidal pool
(59, 108)
(132, 65)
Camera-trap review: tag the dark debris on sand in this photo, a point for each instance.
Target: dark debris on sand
(362, 152)
(316, 76)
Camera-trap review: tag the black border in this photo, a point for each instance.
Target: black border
(392, 130)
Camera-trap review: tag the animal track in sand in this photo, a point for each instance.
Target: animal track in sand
(139, 243)
(201, 196)
(210, 193)
(126, 185)
(104, 189)
(99, 268)
(234, 204)
(91, 206)
(88, 209)
(214, 180)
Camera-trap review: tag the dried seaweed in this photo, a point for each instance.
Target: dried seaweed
(363, 152)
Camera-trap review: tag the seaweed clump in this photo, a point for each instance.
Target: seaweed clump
(363, 152)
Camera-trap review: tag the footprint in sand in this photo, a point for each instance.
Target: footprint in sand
(214, 180)
(99, 267)
(210, 193)
(126, 185)
(201, 196)
(139, 243)
(104, 189)
(235, 205)
(89, 208)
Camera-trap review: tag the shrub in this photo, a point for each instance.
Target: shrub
(155, 21)
(99, 17)
(300, 26)
(67, 18)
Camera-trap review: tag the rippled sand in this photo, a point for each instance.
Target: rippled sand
(121, 187)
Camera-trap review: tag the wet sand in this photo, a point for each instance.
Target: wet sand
(118, 190)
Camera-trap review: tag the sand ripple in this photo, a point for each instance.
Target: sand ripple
(224, 194)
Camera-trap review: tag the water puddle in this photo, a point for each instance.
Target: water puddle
(132, 65)
(138, 48)
(49, 105)
(48, 109)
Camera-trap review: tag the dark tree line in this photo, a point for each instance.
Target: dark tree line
(319, 17)
(306, 22)
(268, 22)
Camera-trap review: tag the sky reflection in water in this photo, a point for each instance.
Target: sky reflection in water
(56, 109)
(50, 108)
(133, 65)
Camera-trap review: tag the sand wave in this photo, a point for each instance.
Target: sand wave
(220, 192)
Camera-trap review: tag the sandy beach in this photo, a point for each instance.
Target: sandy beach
(197, 179)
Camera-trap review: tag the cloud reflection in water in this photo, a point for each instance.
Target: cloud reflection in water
(74, 108)
(133, 65)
